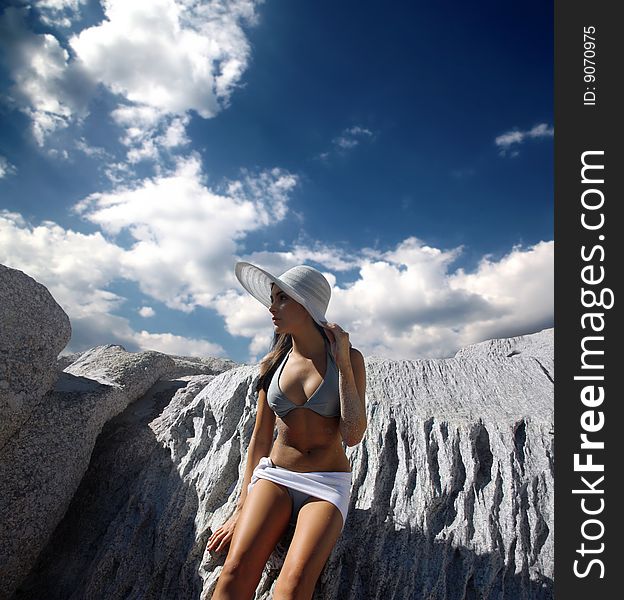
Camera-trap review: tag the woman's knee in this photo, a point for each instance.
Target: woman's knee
(238, 578)
(295, 581)
(241, 568)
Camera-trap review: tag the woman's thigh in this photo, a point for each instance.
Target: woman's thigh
(319, 525)
(261, 524)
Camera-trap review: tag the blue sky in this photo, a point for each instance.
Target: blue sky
(405, 150)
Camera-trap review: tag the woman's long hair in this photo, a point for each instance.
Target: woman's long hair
(281, 344)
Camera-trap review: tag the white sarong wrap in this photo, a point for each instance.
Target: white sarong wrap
(333, 486)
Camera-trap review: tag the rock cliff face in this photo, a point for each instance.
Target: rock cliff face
(452, 494)
(33, 330)
(43, 463)
(114, 489)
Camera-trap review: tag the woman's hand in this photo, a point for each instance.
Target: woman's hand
(340, 344)
(220, 539)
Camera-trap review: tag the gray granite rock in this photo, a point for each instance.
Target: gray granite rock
(452, 495)
(33, 330)
(194, 365)
(64, 360)
(537, 345)
(43, 463)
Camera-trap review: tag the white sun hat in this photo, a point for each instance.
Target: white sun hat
(304, 284)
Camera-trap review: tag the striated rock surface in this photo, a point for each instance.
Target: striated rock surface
(43, 463)
(452, 496)
(33, 330)
(193, 365)
(183, 366)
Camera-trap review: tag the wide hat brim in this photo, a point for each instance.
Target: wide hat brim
(258, 282)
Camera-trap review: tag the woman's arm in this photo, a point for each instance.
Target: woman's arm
(352, 392)
(352, 377)
(259, 446)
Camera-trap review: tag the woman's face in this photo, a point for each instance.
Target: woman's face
(287, 314)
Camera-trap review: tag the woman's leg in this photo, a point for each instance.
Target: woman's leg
(261, 524)
(318, 527)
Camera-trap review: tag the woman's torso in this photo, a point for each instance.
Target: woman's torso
(306, 440)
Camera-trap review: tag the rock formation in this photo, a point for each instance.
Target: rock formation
(113, 490)
(452, 494)
(43, 463)
(33, 330)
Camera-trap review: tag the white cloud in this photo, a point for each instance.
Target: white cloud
(520, 284)
(165, 55)
(177, 344)
(6, 168)
(59, 13)
(76, 268)
(47, 86)
(162, 57)
(351, 137)
(245, 316)
(175, 134)
(147, 311)
(407, 301)
(93, 151)
(184, 239)
(348, 139)
(516, 137)
(184, 234)
(332, 258)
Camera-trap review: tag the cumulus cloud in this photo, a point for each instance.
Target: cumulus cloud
(147, 311)
(162, 57)
(520, 284)
(177, 344)
(331, 257)
(183, 241)
(47, 87)
(408, 302)
(516, 137)
(59, 13)
(405, 302)
(245, 316)
(184, 235)
(77, 268)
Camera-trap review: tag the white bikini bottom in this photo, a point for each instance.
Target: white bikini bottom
(333, 486)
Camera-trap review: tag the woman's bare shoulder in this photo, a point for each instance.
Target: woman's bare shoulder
(354, 353)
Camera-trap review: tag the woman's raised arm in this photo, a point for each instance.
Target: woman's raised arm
(352, 372)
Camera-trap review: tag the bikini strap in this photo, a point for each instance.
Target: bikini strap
(281, 367)
(328, 350)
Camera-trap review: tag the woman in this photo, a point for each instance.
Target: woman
(312, 386)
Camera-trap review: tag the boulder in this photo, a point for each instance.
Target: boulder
(452, 493)
(43, 463)
(34, 330)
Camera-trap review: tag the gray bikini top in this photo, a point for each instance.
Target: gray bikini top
(325, 400)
